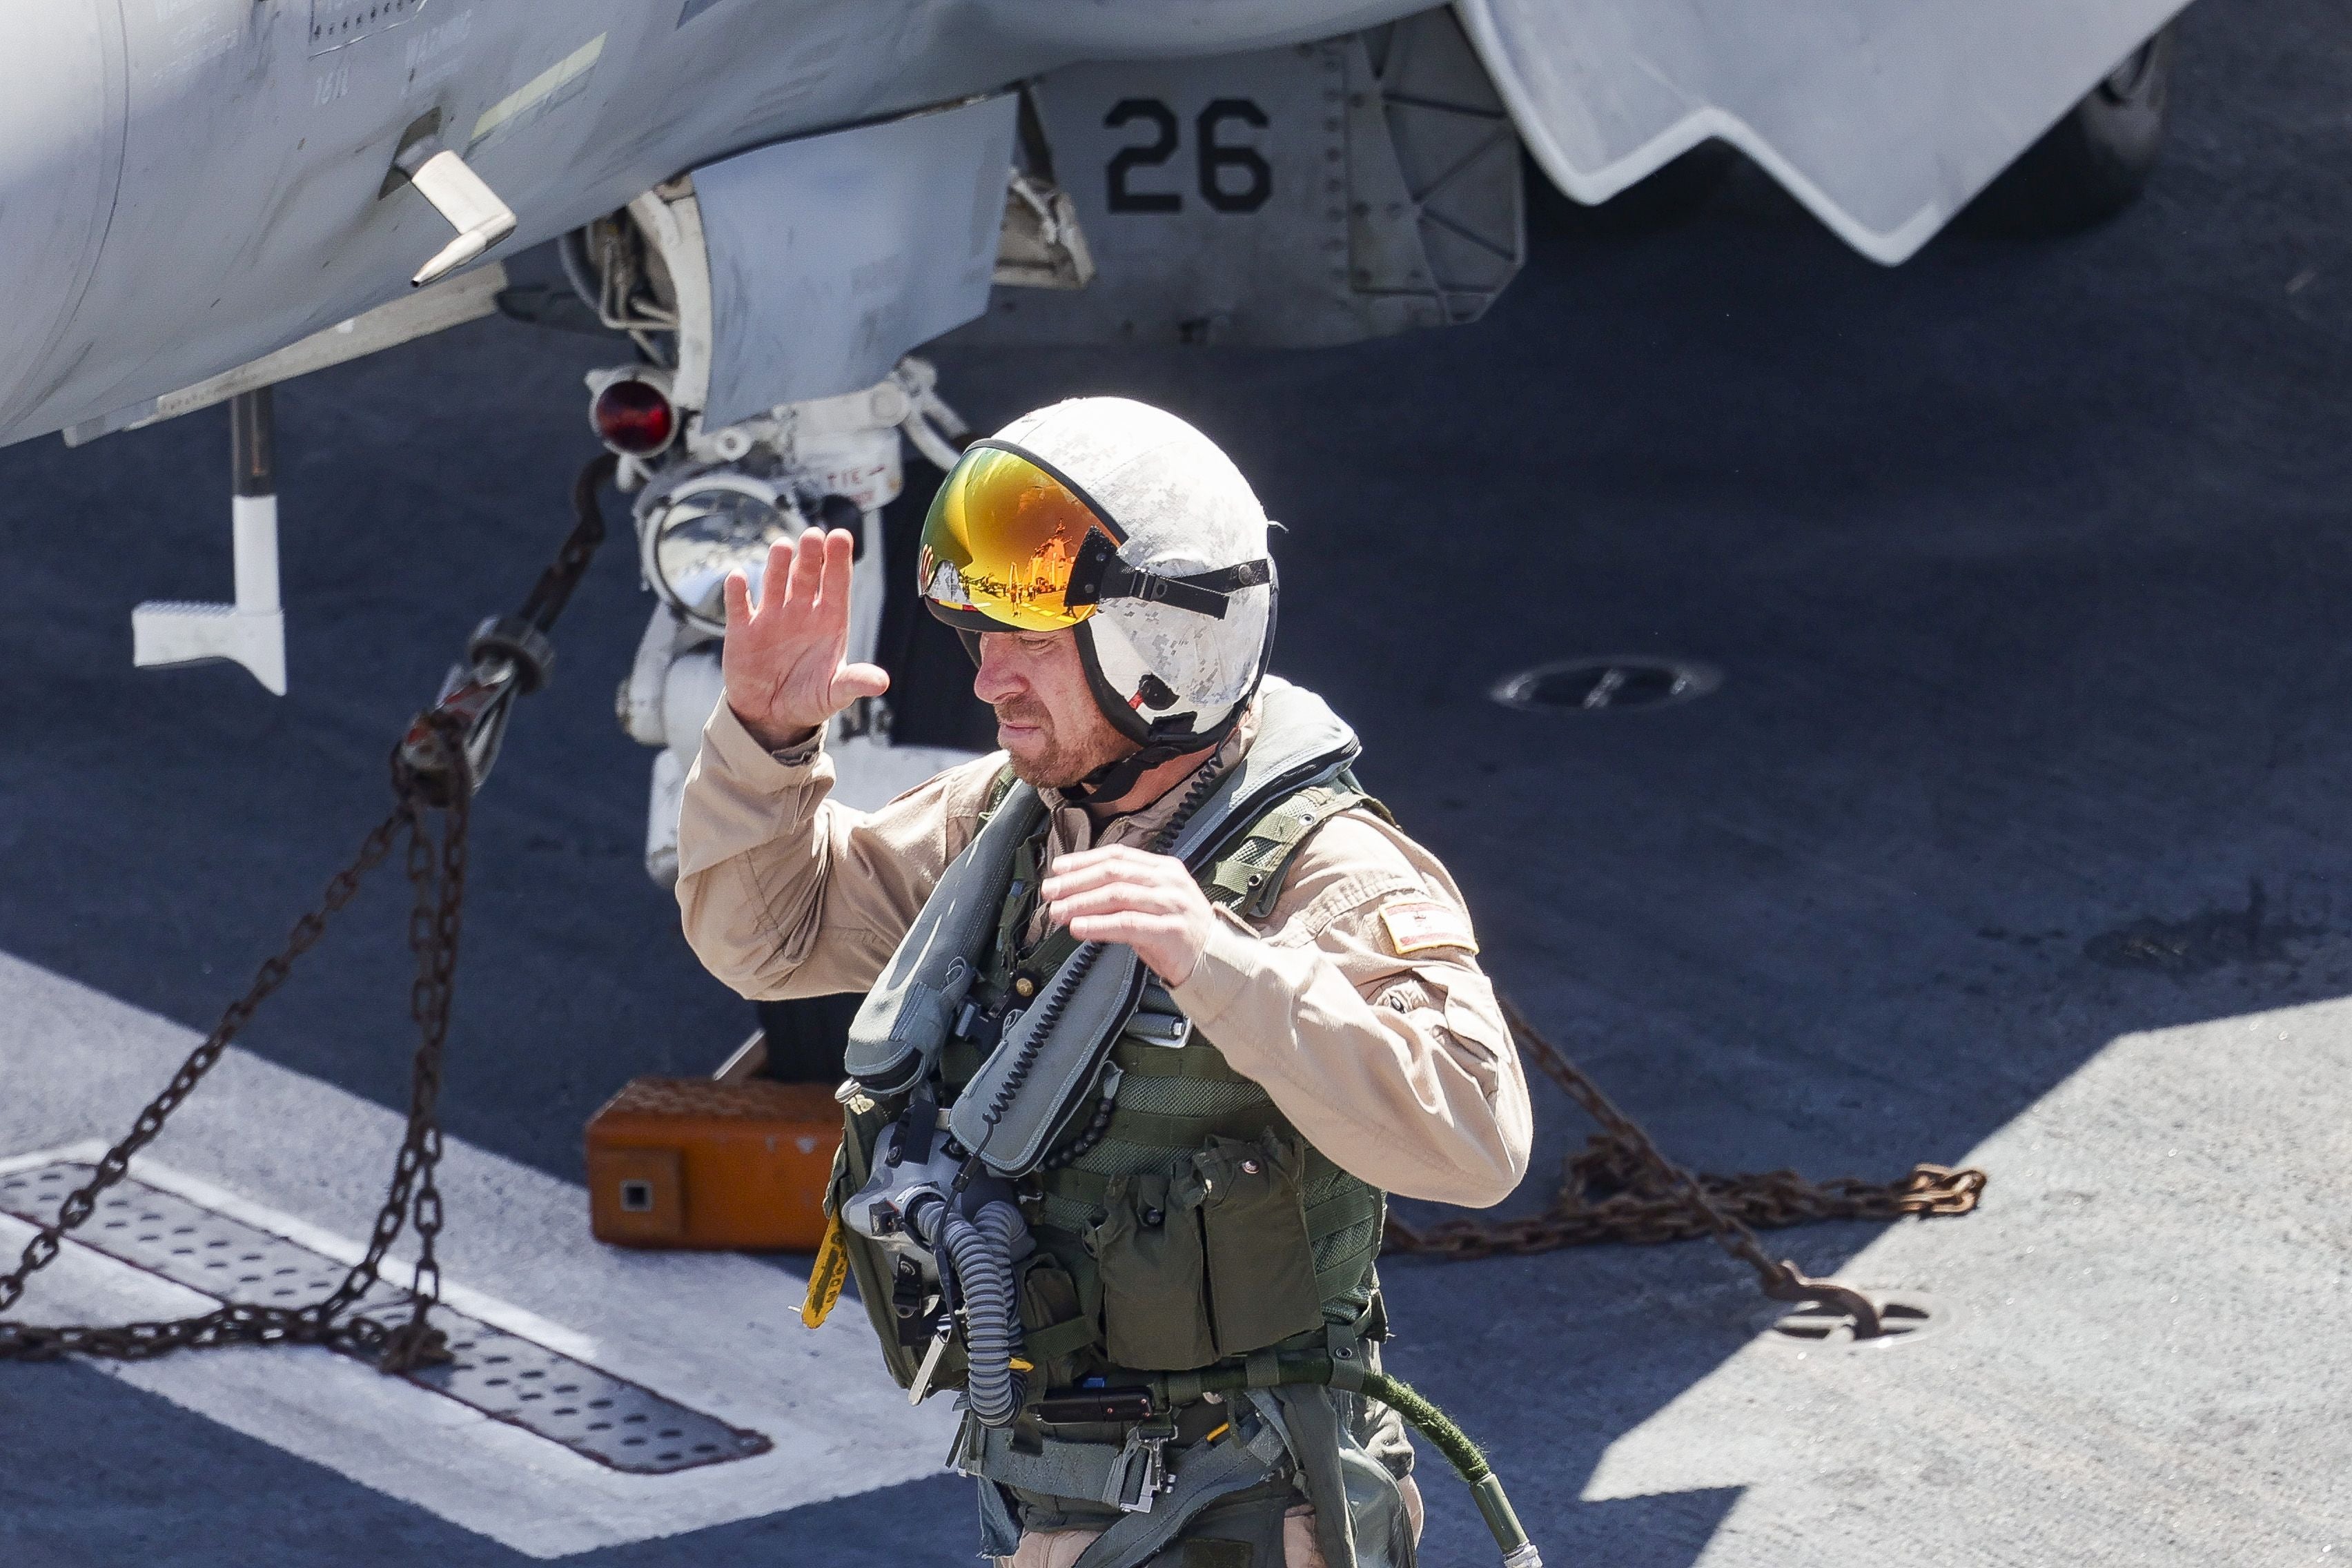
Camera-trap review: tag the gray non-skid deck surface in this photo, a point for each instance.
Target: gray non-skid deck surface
(2027, 566)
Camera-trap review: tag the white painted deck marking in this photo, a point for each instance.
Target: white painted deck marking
(306, 1160)
(505, 1375)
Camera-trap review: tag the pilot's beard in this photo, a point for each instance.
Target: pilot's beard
(1060, 761)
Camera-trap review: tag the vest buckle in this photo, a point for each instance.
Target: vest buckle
(1139, 1474)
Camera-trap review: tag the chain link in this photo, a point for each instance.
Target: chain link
(1620, 1187)
(433, 781)
(436, 864)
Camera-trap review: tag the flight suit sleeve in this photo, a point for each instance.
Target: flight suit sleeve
(1359, 1004)
(785, 894)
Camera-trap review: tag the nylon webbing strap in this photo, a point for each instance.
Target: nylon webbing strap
(1339, 1278)
(1248, 878)
(1314, 1431)
(1042, 1345)
(1154, 1131)
(998, 788)
(1189, 1062)
(1078, 1186)
(1054, 949)
(1051, 953)
(1353, 1204)
(1210, 1471)
(1062, 1469)
(1016, 907)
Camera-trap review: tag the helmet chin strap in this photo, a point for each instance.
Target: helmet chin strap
(1114, 779)
(1158, 741)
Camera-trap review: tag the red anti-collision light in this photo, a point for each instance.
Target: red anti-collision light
(633, 417)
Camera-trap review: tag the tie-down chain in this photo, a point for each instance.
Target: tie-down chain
(437, 765)
(1620, 1187)
(443, 758)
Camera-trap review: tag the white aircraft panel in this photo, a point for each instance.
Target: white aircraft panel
(1882, 116)
(62, 98)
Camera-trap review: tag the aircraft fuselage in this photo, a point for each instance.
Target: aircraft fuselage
(185, 185)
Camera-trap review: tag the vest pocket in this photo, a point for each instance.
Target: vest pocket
(1054, 1323)
(1148, 1250)
(1260, 1263)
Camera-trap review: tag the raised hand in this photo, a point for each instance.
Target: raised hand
(783, 661)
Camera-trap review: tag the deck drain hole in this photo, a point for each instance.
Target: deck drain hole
(1597, 685)
(1903, 1316)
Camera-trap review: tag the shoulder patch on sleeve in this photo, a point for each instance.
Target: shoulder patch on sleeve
(1418, 924)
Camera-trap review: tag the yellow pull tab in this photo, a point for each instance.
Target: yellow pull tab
(825, 1275)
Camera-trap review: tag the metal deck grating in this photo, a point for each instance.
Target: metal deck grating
(502, 1374)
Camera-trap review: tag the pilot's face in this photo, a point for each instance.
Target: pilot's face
(1047, 720)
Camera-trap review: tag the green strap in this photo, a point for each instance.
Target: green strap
(1154, 1131)
(1051, 953)
(1313, 1433)
(1016, 905)
(1347, 778)
(1077, 1186)
(1341, 1278)
(998, 788)
(1042, 1345)
(1248, 878)
(1062, 1468)
(1196, 1060)
(1053, 950)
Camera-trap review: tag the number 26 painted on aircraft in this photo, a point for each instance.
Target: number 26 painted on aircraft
(1233, 177)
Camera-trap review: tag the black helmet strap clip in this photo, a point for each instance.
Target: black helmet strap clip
(1113, 780)
(1098, 573)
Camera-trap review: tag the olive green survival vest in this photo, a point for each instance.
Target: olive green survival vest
(1181, 1221)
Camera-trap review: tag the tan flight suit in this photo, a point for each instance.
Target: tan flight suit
(1358, 1004)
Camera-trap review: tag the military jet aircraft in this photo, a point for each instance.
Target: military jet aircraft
(777, 200)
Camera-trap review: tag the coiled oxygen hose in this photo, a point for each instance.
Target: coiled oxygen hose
(981, 1250)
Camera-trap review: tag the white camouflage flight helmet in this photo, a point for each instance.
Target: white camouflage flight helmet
(1122, 523)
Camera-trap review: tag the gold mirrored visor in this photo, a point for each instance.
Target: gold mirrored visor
(1004, 537)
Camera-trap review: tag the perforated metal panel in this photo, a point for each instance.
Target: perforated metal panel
(501, 1374)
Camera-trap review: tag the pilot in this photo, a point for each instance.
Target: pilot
(1212, 1003)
